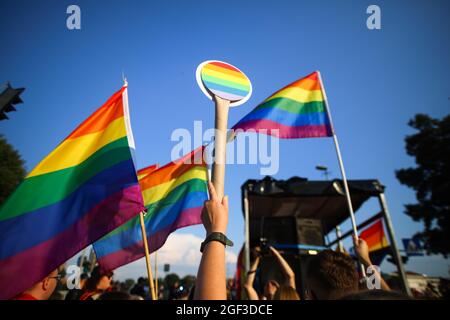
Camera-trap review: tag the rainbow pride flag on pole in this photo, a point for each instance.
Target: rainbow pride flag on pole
(83, 189)
(173, 195)
(374, 236)
(296, 111)
(376, 241)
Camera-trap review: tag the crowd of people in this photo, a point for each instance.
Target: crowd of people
(329, 274)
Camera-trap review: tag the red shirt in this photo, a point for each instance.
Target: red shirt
(24, 296)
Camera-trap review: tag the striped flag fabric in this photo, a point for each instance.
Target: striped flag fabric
(83, 189)
(296, 111)
(374, 236)
(174, 196)
(142, 173)
(225, 81)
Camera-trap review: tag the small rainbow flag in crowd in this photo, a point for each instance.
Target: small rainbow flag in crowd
(82, 190)
(174, 196)
(374, 236)
(296, 111)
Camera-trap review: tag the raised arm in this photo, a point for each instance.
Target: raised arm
(248, 285)
(211, 277)
(362, 250)
(285, 267)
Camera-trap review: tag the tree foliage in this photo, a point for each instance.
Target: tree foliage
(12, 169)
(430, 179)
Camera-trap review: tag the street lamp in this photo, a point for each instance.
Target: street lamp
(9, 97)
(324, 169)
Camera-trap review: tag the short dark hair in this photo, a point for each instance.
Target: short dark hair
(94, 279)
(376, 295)
(332, 273)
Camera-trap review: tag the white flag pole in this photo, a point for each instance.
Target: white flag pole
(341, 166)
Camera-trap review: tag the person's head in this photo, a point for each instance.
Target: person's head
(286, 293)
(270, 288)
(141, 281)
(99, 281)
(331, 275)
(44, 288)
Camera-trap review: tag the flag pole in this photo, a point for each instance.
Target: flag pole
(147, 256)
(156, 274)
(341, 166)
(82, 259)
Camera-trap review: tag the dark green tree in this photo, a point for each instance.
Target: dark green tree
(430, 146)
(12, 169)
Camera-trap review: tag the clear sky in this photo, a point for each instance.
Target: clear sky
(376, 80)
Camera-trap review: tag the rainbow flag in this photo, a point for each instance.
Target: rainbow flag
(296, 111)
(83, 189)
(142, 173)
(374, 236)
(173, 195)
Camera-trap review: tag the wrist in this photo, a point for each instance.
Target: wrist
(216, 229)
(218, 237)
(365, 261)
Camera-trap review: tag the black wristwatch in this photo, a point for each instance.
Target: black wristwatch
(216, 236)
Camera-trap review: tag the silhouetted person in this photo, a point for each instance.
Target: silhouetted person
(97, 284)
(271, 286)
(139, 288)
(173, 290)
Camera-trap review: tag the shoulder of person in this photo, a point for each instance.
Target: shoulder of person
(87, 295)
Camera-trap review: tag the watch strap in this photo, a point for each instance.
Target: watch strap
(216, 236)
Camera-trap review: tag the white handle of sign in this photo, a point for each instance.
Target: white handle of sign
(220, 145)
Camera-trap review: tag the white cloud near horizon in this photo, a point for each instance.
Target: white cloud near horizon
(181, 251)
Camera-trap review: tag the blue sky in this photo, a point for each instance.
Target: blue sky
(375, 80)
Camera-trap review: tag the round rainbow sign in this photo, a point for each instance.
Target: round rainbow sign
(225, 81)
